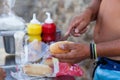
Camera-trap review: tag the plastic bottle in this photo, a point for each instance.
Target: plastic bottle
(34, 29)
(48, 30)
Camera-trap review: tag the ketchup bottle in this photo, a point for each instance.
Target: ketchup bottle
(48, 30)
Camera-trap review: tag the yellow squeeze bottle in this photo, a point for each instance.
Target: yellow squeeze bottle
(34, 29)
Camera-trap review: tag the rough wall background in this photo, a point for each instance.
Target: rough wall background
(61, 10)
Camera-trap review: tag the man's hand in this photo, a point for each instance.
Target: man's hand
(2, 74)
(78, 52)
(79, 24)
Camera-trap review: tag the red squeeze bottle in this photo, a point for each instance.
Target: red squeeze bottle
(48, 30)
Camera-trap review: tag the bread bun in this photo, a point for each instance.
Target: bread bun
(55, 49)
(48, 62)
(37, 70)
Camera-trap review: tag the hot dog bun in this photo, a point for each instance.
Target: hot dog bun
(48, 62)
(55, 49)
(37, 69)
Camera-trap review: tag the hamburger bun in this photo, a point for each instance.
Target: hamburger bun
(37, 70)
(55, 49)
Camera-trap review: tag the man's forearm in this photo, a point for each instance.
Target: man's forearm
(108, 49)
(93, 9)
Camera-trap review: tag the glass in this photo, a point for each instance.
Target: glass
(19, 53)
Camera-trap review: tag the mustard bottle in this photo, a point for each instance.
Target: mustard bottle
(34, 29)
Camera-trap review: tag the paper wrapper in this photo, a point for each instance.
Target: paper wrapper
(61, 69)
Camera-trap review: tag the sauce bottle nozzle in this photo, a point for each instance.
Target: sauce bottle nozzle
(34, 19)
(49, 19)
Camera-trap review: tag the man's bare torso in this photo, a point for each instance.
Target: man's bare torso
(108, 23)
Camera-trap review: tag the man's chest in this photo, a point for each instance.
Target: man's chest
(109, 12)
(110, 7)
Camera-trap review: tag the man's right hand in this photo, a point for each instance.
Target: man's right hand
(2, 74)
(79, 24)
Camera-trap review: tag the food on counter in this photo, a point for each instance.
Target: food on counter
(37, 70)
(36, 45)
(55, 49)
(48, 62)
(34, 50)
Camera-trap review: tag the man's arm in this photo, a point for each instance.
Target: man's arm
(93, 8)
(80, 51)
(108, 49)
(79, 23)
